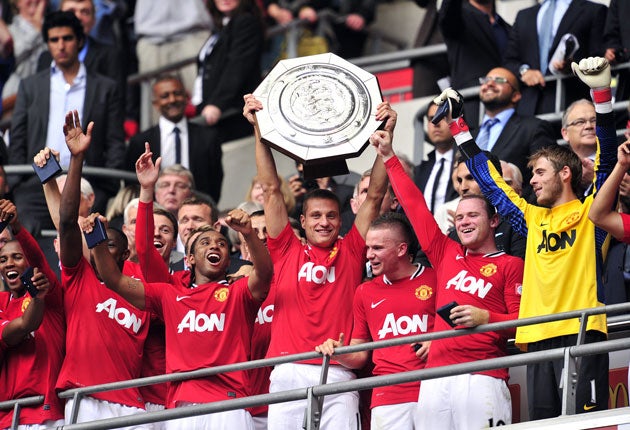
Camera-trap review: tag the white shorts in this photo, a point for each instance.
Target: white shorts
(394, 417)
(340, 412)
(260, 422)
(229, 420)
(463, 402)
(91, 409)
(49, 424)
(154, 407)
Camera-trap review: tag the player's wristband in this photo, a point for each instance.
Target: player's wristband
(602, 97)
(459, 131)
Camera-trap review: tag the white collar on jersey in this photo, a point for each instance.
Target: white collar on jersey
(419, 269)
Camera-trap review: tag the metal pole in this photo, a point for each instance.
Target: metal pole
(315, 404)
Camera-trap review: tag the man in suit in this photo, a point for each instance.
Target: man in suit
(98, 58)
(511, 137)
(433, 176)
(42, 101)
(199, 148)
(476, 37)
(581, 18)
(578, 129)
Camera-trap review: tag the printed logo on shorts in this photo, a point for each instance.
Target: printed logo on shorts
(221, 294)
(424, 292)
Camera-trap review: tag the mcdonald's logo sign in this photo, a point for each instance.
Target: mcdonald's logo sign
(617, 388)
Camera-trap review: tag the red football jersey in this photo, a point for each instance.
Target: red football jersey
(314, 291)
(31, 368)
(208, 325)
(385, 310)
(492, 282)
(101, 324)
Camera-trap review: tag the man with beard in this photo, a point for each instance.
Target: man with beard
(511, 137)
(178, 141)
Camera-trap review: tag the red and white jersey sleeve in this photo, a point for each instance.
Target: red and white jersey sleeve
(208, 325)
(102, 324)
(314, 291)
(387, 310)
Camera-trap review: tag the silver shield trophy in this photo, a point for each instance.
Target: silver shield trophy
(318, 110)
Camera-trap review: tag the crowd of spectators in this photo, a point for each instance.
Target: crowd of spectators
(175, 277)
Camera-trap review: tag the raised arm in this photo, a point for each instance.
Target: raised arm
(603, 213)
(14, 332)
(370, 208)
(130, 289)
(153, 266)
(275, 210)
(262, 272)
(69, 233)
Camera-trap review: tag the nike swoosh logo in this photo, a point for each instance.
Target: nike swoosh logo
(377, 303)
(588, 408)
(458, 257)
(542, 224)
(179, 299)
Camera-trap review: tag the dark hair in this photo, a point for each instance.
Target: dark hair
(244, 6)
(323, 194)
(122, 237)
(490, 209)
(201, 229)
(167, 77)
(400, 222)
(196, 201)
(63, 19)
(170, 216)
(560, 156)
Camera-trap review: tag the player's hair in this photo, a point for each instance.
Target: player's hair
(196, 201)
(400, 222)
(63, 19)
(560, 156)
(170, 216)
(322, 194)
(200, 229)
(490, 210)
(122, 237)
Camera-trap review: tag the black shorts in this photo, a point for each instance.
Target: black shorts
(544, 395)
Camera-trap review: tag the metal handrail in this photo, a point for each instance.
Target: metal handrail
(363, 383)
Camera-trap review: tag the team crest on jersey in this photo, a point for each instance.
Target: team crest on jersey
(488, 270)
(221, 294)
(25, 303)
(574, 217)
(424, 292)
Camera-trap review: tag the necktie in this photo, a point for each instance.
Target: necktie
(483, 139)
(545, 35)
(178, 146)
(436, 182)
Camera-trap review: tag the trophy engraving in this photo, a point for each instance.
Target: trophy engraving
(318, 110)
